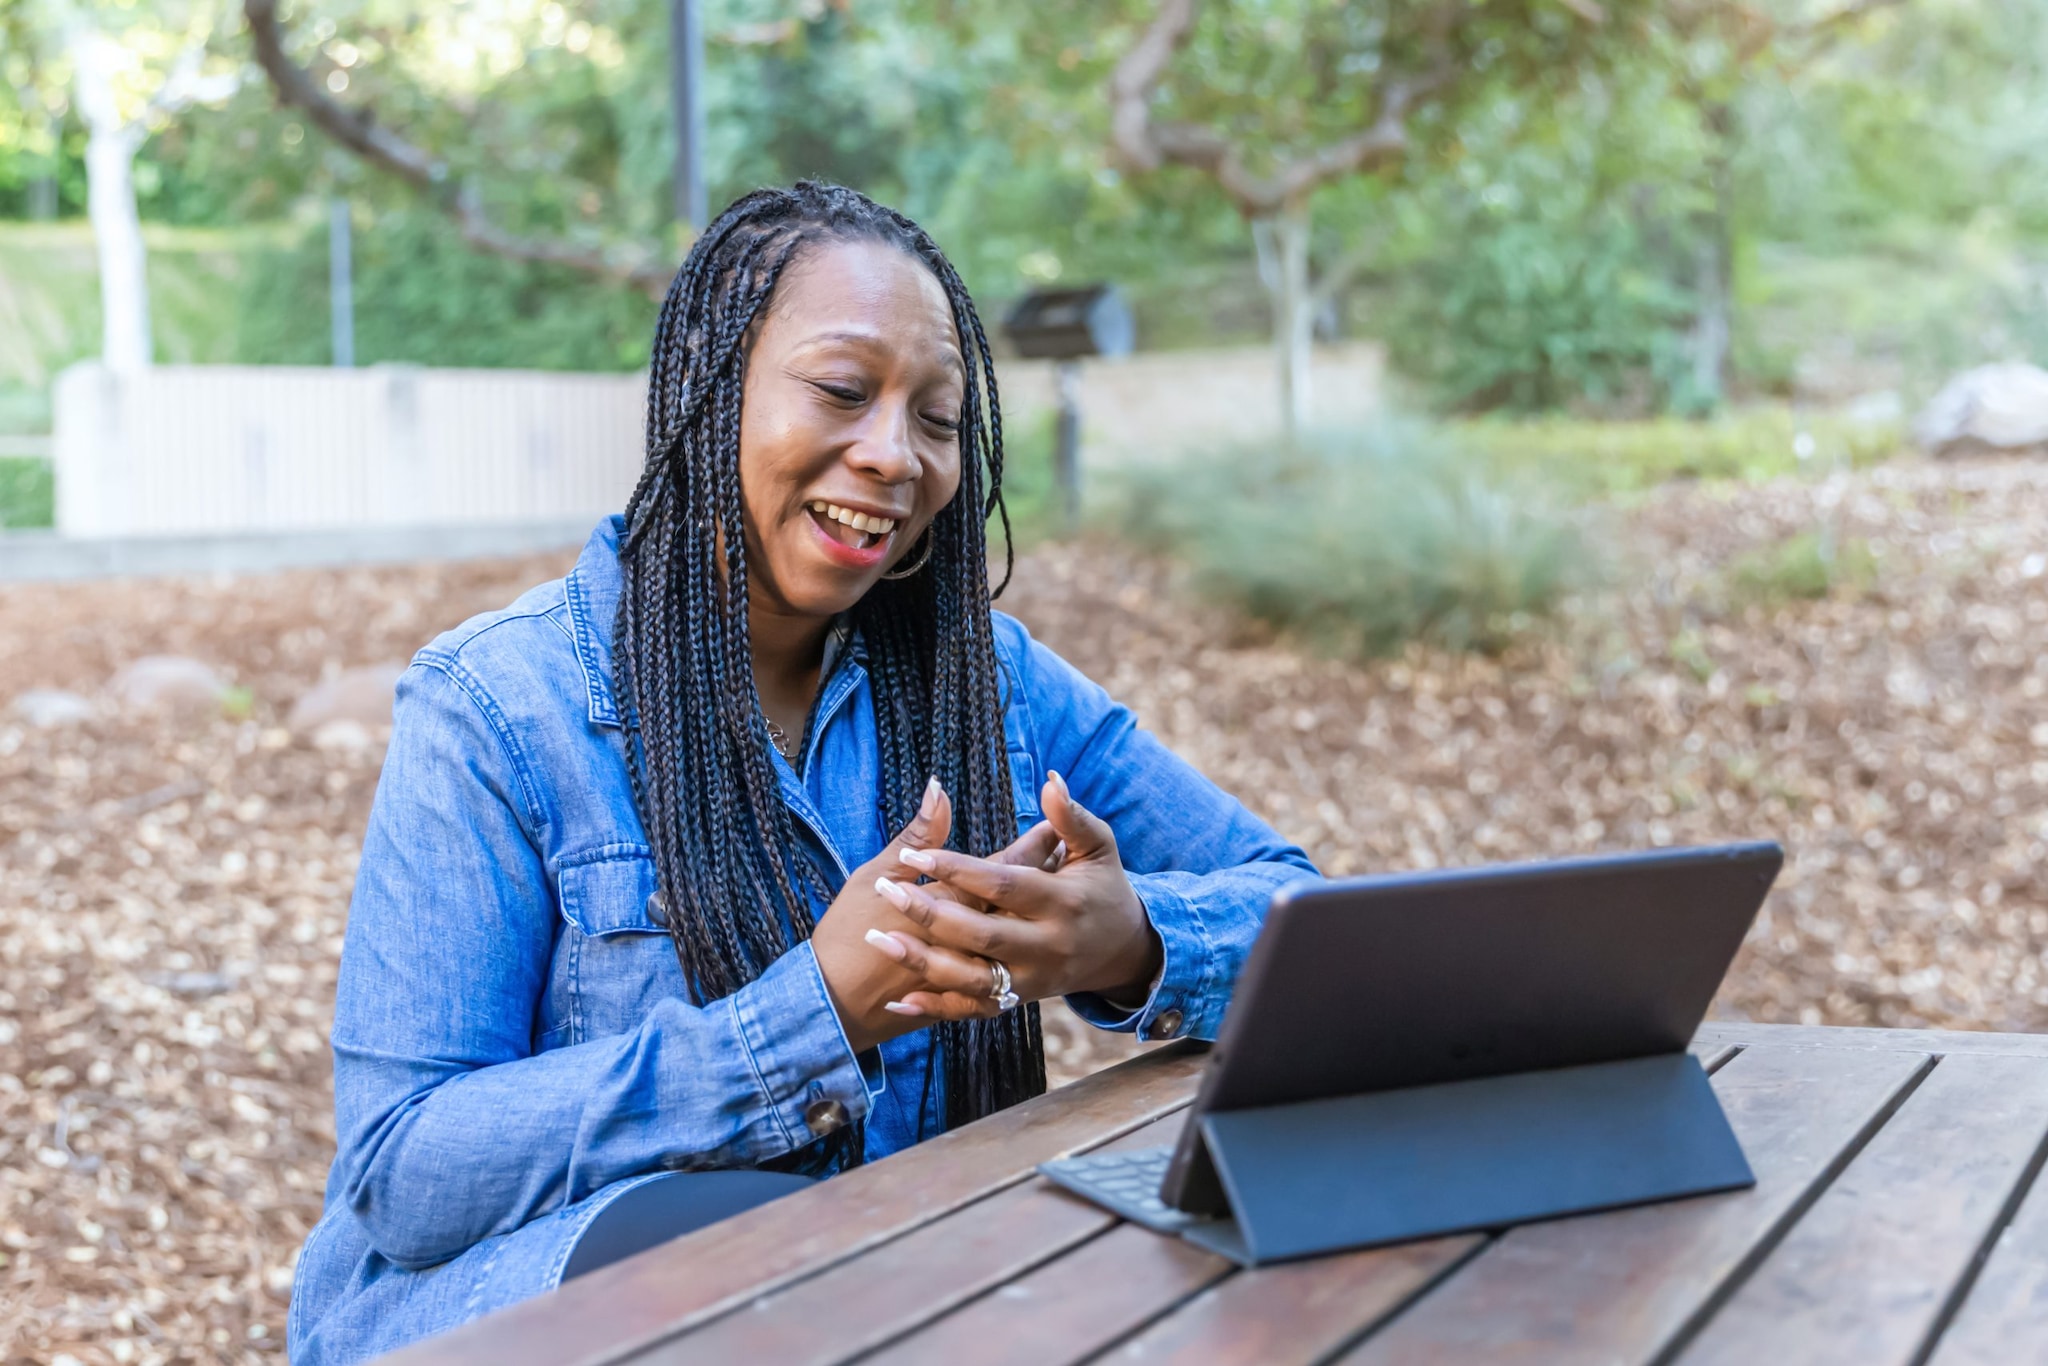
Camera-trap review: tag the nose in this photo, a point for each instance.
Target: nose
(883, 448)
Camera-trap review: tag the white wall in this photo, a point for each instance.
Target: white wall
(181, 450)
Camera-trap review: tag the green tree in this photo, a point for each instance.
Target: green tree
(1272, 102)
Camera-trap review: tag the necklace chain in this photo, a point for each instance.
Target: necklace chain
(779, 737)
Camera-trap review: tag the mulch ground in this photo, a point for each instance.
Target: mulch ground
(173, 892)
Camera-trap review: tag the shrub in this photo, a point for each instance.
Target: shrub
(1364, 541)
(28, 493)
(1804, 567)
(1583, 458)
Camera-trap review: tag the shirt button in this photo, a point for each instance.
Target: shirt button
(1166, 1024)
(657, 908)
(825, 1116)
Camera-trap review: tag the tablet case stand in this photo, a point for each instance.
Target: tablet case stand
(1387, 1166)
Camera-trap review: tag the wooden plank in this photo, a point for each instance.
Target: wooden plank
(2004, 1322)
(1870, 1271)
(1070, 1309)
(897, 1288)
(1947, 1042)
(610, 1313)
(1618, 1286)
(1297, 1311)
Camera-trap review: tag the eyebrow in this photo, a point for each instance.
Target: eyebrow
(869, 341)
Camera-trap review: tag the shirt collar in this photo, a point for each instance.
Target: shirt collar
(592, 589)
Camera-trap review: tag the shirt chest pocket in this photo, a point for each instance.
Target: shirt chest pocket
(614, 960)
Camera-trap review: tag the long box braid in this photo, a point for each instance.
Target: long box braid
(738, 887)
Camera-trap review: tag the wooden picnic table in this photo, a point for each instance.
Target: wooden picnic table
(1896, 1218)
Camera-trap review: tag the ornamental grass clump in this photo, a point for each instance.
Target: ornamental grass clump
(1365, 541)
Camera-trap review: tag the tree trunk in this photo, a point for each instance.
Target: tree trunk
(1714, 271)
(110, 148)
(1282, 240)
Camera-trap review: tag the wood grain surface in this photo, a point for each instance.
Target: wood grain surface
(1897, 1217)
(610, 1313)
(1868, 1274)
(1620, 1285)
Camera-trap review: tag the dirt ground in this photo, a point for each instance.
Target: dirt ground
(173, 892)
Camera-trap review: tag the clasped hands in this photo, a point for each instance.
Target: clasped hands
(1054, 908)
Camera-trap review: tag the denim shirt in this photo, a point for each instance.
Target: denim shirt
(514, 1046)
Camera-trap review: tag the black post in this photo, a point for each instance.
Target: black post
(686, 87)
(1066, 452)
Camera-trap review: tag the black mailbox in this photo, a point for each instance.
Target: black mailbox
(1066, 324)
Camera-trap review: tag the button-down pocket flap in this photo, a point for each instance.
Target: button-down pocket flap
(609, 895)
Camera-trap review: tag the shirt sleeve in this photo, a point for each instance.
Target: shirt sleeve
(450, 1127)
(1204, 867)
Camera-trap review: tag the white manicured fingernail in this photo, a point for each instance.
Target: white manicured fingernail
(902, 1008)
(886, 943)
(918, 858)
(893, 893)
(930, 803)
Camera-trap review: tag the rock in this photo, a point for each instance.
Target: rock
(1993, 407)
(48, 708)
(168, 683)
(343, 735)
(359, 695)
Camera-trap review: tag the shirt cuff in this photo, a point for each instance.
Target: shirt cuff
(810, 1078)
(1179, 1004)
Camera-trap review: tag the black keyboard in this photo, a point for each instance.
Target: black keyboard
(1125, 1183)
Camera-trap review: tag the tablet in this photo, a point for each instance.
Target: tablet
(1379, 983)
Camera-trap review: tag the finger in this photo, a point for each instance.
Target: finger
(1021, 891)
(942, 969)
(1086, 834)
(949, 1005)
(949, 924)
(1038, 847)
(1030, 849)
(927, 829)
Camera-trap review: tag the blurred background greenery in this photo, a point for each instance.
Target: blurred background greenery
(1621, 243)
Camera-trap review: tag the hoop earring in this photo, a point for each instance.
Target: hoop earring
(922, 560)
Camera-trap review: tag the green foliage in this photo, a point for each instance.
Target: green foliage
(1803, 567)
(1365, 541)
(1581, 458)
(28, 493)
(50, 305)
(1029, 489)
(23, 412)
(1538, 303)
(421, 296)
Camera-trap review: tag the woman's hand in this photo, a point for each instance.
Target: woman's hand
(877, 994)
(1060, 925)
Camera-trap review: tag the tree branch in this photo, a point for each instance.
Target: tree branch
(1143, 144)
(359, 132)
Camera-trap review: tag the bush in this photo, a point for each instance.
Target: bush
(1582, 458)
(1804, 567)
(28, 493)
(1364, 542)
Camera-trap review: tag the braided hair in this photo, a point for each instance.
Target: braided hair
(737, 883)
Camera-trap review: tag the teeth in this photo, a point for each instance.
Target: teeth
(859, 521)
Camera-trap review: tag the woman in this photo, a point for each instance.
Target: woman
(629, 903)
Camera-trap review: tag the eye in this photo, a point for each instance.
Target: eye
(843, 393)
(943, 423)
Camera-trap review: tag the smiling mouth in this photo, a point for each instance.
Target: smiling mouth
(850, 528)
